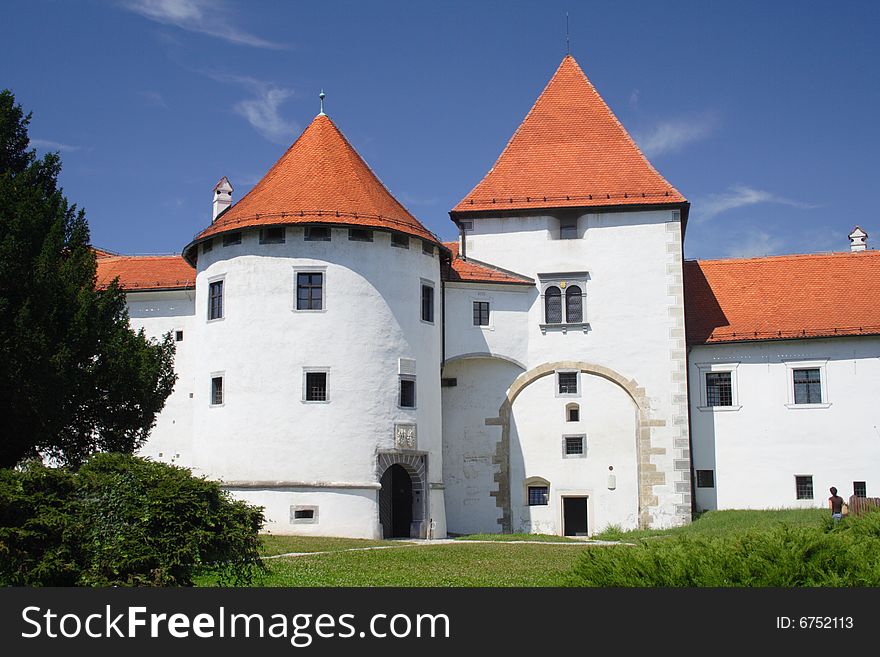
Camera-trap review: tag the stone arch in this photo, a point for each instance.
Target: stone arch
(485, 354)
(648, 474)
(416, 467)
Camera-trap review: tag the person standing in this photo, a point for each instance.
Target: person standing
(835, 503)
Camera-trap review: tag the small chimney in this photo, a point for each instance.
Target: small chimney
(222, 196)
(858, 239)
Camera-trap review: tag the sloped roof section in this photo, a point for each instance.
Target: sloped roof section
(782, 297)
(458, 270)
(319, 179)
(142, 273)
(570, 151)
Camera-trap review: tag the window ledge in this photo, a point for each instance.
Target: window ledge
(309, 310)
(720, 408)
(314, 401)
(807, 405)
(565, 328)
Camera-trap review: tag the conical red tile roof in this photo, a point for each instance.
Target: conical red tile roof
(320, 179)
(570, 151)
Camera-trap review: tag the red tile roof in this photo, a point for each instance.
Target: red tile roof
(474, 271)
(570, 151)
(146, 272)
(781, 297)
(319, 179)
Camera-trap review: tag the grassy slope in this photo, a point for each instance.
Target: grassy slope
(272, 544)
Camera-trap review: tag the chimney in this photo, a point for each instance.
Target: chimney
(222, 197)
(858, 239)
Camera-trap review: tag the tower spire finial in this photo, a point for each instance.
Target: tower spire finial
(321, 96)
(567, 41)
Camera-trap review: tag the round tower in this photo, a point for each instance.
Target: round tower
(318, 333)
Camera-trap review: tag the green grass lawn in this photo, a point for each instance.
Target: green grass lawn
(544, 538)
(272, 544)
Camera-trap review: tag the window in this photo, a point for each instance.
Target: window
(574, 305)
(803, 487)
(427, 303)
(568, 229)
(481, 313)
(705, 479)
(572, 413)
(272, 235)
(807, 386)
(216, 391)
(466, 224)
(400, 241)
(303, 514)
(552, 305)
(317, 234)
(207, 246)
(215, 300)
(538, 495)
(407, 393)
(178, 336)
(360, 235)
(316, 387)
(428, 248)
(310, 290)
(573, 446)
(231, 239)
(567, 383)
(450, 382)
(860, 489)
(719, 389)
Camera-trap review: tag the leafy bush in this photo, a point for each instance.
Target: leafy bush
(847, 554)
(122, 521)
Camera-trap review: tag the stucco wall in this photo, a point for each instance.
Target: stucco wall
(758, 446)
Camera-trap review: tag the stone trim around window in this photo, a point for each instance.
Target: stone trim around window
(705, 368)
(819, 364)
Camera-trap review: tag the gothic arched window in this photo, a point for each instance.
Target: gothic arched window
(574, 305)
(552, 305)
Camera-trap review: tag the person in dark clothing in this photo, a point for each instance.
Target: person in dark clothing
(835, 503)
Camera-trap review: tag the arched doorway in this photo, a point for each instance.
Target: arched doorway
(396, 502)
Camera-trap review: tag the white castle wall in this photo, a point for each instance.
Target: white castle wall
(634, 307)
(758, 446)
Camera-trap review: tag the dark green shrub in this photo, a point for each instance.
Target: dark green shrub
(122, 521)
(844, 555)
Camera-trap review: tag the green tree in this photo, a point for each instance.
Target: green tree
(74, 378)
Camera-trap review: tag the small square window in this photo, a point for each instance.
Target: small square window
(304, 514)
(574, 445)
(803, 485)
(310, 290)
(272, 235)
(539, 495)
(428, 303)
(450, 382)
(568, 383)
(705, 479)
(399, 240)
(207, 246)
(231, 239)
(466, 224)
(316, 386)
(317, 234)
(178, 336)
(807, 386)
(860, 489)
(572, 413)
(216, 391)
(407, 398)
(719, 389)
(428, 248)
(360, 235)
(568, 229)
(215, 300)
(481, 313)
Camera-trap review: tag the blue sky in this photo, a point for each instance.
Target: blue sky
(763, 114)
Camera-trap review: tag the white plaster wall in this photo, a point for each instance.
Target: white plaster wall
(634, 307)
(159, 313)
(608, 419)
(341, 512)
(757, 450)
(469, 445)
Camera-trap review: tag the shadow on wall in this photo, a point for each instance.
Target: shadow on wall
(702, 312)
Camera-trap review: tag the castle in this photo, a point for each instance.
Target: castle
(558, 369)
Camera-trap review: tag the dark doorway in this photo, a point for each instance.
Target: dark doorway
(395, 503)
(574, 516)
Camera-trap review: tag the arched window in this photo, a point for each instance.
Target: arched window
(572, 413)
(552, 305)
(574, 305)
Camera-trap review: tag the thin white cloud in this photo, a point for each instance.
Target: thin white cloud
(755, 243)
(417, 200)
(262, 111)
(203, 16)
(672, 135)
(154, 98)
(739, 196)
(634, 98)
(50, 145)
